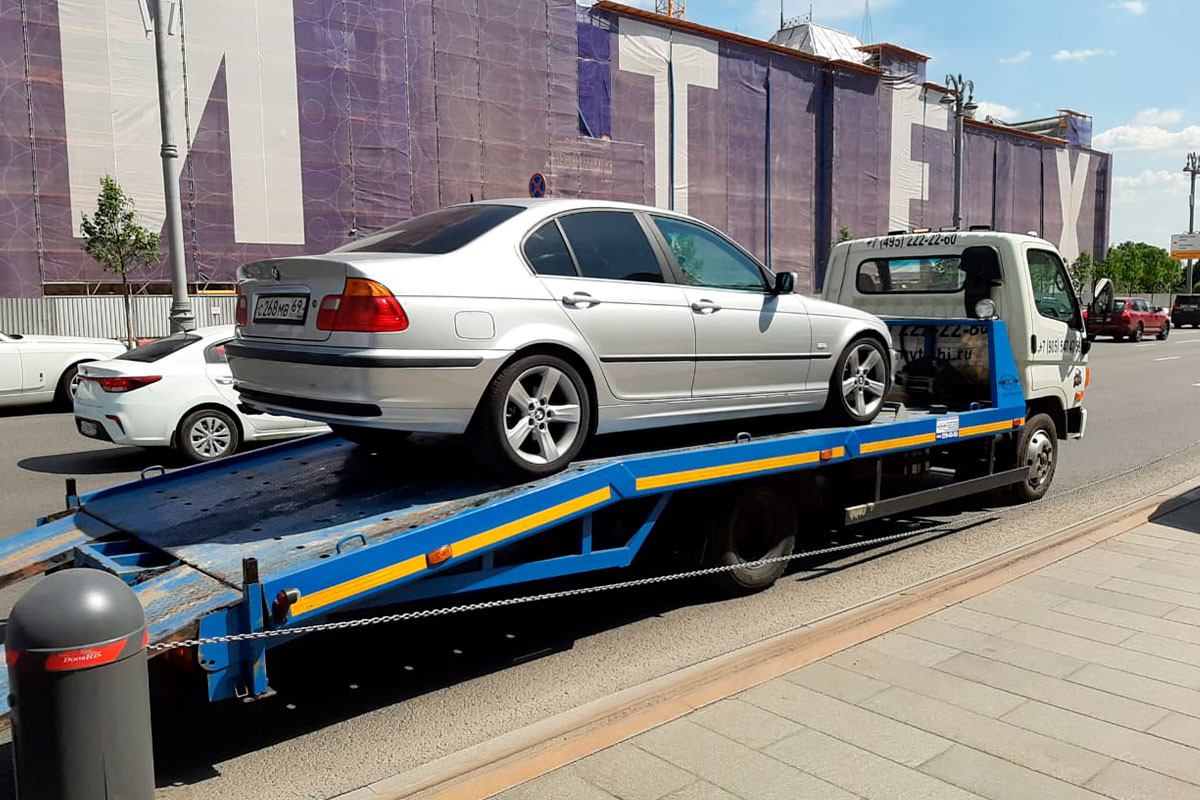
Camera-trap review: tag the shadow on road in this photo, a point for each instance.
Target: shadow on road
(33, 411)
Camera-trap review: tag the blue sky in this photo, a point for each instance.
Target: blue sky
(1134, 65)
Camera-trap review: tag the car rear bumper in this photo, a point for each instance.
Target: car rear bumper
(1185, 318)
(425, 391)
(1117, 329)
(132, 418)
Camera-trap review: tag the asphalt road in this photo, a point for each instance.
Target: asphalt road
(354, 707)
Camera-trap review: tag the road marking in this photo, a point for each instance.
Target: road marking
(1168, 358)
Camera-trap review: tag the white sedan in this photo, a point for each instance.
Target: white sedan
(40, 369)
(175, 392)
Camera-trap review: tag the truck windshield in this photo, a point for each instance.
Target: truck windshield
(927, 275)
(437, 232)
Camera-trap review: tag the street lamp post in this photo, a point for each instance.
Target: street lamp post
(1192, 166)
(960, 100)
(181, 310)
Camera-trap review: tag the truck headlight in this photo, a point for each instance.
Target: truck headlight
(985, 308)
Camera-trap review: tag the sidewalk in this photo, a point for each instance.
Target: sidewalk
(1081, 679)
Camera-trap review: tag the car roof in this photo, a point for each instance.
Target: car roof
(554, 205)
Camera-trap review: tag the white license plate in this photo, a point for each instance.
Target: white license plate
(287, 308)
(89, 428)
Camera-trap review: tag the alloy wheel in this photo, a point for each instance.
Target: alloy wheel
(541, 414)
(210, 437)
(864, 380)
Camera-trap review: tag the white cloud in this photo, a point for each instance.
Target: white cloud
(1081, 55)
(1024, 55)
(1135, 7)
(1149, 206)
(1147, 137)
(1150, 180)
(1157, 116)
(997, 110)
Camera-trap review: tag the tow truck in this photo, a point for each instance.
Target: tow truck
(320, 529)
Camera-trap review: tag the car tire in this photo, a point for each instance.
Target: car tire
(859, 384)
(1037, 448)
(207, 434)
(370, 437)
(754, 524)
(523, 429)
(1138, 332)
(64, 393)
(1165, 332)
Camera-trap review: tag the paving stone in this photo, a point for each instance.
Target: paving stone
(1137, 536)
(1166, 594)
(928, 681)
(1083, 577)
(945, 634)
(1142, 623)
(1028, 657)
(700, 790)
(1089, 651)
(732, 766)
(744, 722)
(997, 779)
(1055, 691)
(1050, 619)
(911, 648)
(1128, 782)
(1152, 553)
(1188, 616)
(630, 773)
(1008, 741)
(1138, 687)
(1161, 531)
(1164, 647)
(856, 770)
(828, 678)
(1116, 741)
(560, 783)
(1159, 573)
(1092, 594)
(850, 723)
(973, 620)
(1105, 561)
(1181, 728)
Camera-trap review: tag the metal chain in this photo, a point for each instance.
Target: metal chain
(675, 576)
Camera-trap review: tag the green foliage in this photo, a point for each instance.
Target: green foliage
(1140, 267)
(1081, 270)
(845, 234)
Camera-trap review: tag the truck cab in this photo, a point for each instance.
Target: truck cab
(1021, 279)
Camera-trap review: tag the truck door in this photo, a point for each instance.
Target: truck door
(1056, 328)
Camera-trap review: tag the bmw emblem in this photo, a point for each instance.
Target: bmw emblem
(275, 273)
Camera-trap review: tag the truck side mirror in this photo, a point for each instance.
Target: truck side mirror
(785, 283)
(981, 265)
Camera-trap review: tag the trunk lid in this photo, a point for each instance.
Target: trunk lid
(282, 296)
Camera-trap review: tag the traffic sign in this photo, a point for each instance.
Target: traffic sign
(537, 185)
(1185, 245)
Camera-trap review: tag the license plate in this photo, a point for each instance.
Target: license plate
(286, 308)
(88, 428)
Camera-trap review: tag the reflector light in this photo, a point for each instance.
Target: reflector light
(11, 656)
(1018, 423)
(125, 383)
(363, 305)
(1087, 377)
(826, 455)
(439, 556)
(115, 419)
(1078, 396)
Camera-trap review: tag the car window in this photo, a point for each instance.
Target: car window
(611, 245)
(437, 232)
(547, 252)
(1052, 292)
(160, 348)
(929, 275)
(215, 353)
(1186, 298)
(707, 259)
(1118, 305)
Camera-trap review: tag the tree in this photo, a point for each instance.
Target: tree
(1081, 271)
(115, 239)
(1140, 267)
(845, 234)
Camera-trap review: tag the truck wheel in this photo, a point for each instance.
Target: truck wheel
(1137, 333)
(534, 417)
(753, 524)
(1165, 332)
(1037, 448)
(860, 382)
(369, 437)
(207, 434)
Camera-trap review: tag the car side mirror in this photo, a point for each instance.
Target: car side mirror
(785, 283)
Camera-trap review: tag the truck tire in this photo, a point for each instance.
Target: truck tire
(369, 437)
(1037, 447)
(860, 383)
(744, 526)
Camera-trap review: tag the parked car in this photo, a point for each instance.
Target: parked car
(41, 369)
(1186, 310)
(1132, 317)
(531, 324)
(175, 392)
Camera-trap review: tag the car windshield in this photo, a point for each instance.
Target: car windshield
(437, 232)
(160, 348)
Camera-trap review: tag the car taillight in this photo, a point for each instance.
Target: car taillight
(243, 307)
(1124, 315)
(125, 384)
(364, 306)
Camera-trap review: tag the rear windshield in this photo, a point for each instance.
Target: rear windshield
(160, 348)
(1187, 298)
(1118, 304)
(911, 275)
(436, 232)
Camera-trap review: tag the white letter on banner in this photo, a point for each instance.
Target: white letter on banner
(909, 171)
(1070, 195)
(648, 49)
(111, 106)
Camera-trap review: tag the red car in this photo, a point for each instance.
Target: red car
(1132, 317)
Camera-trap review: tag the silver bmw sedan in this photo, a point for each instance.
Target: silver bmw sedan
(530, 325)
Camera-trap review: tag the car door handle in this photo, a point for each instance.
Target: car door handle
(580, 299)
(224, 381)
(705, 307)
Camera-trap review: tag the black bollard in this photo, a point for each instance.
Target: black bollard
(76, 652)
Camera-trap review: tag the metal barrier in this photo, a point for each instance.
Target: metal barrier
(103, 316)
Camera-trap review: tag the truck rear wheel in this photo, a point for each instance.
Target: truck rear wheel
(750, 525)
(1037, 448)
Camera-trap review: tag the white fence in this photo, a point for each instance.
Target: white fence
(104, 315)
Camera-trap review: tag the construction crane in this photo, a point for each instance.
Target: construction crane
(671, 8)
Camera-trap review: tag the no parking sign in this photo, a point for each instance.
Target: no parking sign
(537, 185)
